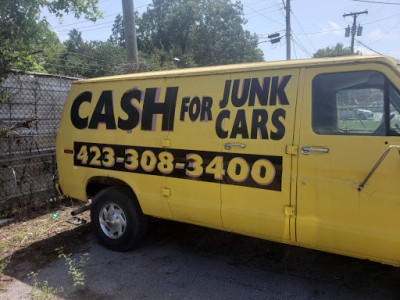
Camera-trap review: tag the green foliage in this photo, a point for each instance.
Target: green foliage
(24, 34)
(199, 33)
(4, 263)
(118, 31)
(338, 50)
(88, 59)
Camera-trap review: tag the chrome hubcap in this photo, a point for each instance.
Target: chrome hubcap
(112, 220)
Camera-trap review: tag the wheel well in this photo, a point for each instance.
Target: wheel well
(97, 184)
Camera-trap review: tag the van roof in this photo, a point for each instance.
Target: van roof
(248, 67)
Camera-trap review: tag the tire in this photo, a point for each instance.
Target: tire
(128, 225)
(362, 117)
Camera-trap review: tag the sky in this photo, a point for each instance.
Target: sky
(315, 24)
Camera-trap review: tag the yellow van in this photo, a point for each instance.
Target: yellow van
(301, 152)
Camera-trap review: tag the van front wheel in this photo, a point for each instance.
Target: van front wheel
(117, 219)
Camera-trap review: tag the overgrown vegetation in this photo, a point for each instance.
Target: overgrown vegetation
(195, 33)
(25, 37)
(337, 50)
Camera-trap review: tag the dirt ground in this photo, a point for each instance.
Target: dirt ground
(33, 237)
(43, 258)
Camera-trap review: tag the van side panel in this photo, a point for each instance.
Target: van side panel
(260, 126)
(104, 125)
(196, 195)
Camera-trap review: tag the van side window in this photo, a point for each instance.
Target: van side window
(353, 103)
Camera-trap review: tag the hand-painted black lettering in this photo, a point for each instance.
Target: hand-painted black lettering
(184, 108)
(221, 133)
(239, 101)
(274, 89)
(240, 125)
(277, 122)
(259, 124)
(261, 91)
(132, 111)
(225, 98)
(105, 103)
(77, 121)
(151, 108)
(282, 98)
(194, 109)
(278, 90)
(232, 168)
(170, 97)
(206, 105)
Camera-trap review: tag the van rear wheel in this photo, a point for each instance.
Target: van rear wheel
(117, 219)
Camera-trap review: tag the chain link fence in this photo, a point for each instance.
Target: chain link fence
(30, 111)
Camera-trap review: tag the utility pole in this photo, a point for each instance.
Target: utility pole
(288, 34)
(354, 27)
(130, 31)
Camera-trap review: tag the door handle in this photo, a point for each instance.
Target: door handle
(307, 150)
(228, 146)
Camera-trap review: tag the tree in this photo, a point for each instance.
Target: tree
(26, 40)
(219, 37)
(199, 33)
(338, 50)
(89, 59)
(24, 33)
(118, 33)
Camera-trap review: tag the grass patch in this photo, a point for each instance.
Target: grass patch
(34, 239)
(42, 290)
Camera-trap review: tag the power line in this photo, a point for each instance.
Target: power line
(77, 66)
(105, 17)
(84, 30)
(272, 20)
(301, 27)
(383, 19)
(65, 25)
(84, 55)
(369, 48)
(339, 29)
(294, 48)
(298, 43)
(89, 26)
(319, 32)
(269, 12)
(377, 2)
(110, 62)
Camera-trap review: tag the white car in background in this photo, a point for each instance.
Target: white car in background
(358, 114)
